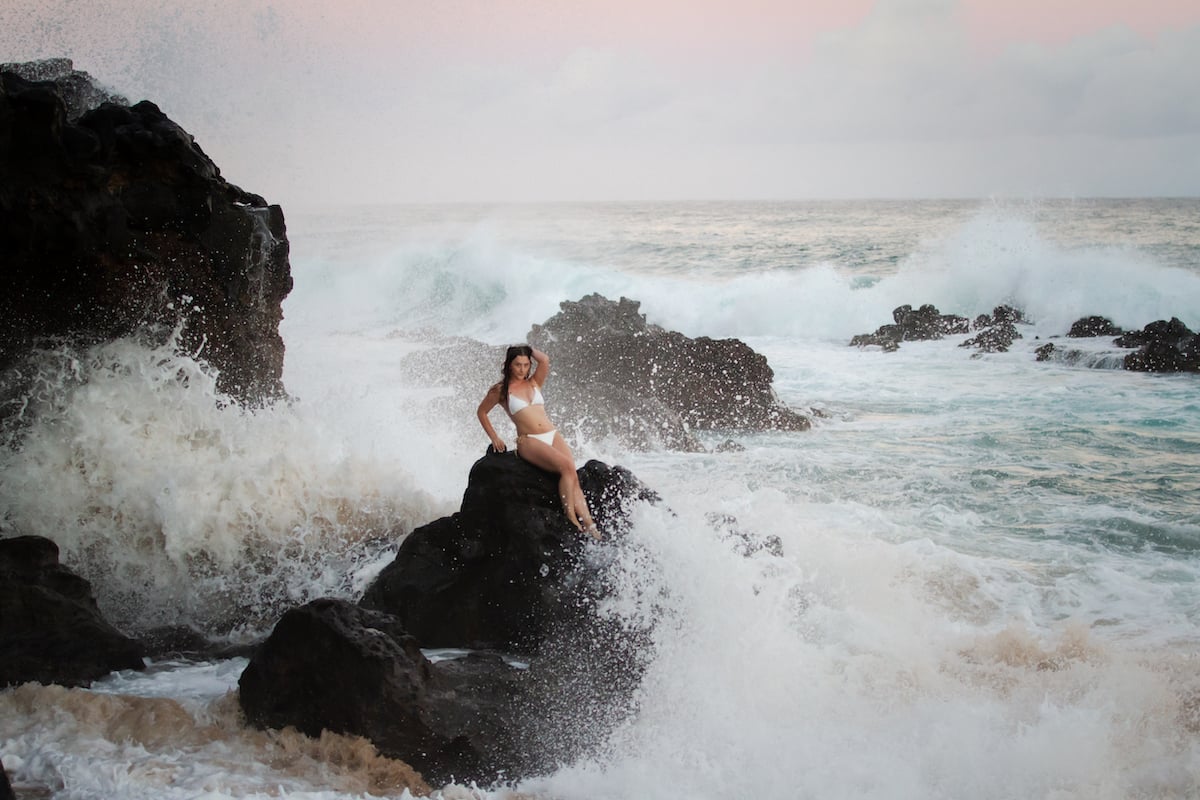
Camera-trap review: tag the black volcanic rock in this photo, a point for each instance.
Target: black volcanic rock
(508, 568)
(113, 220)
(1087, 327)
(331, 665)
(616, 374)
(506, 573)
(926, 323)
(6, 791)
(50, 628)
(1164, 346)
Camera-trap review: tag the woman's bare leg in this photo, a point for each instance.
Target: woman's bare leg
(581, 505)
(552, 459)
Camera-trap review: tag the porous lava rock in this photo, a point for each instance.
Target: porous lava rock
(113, 220)
(996, 332)
(1089, 327)
(924, 324)
(1163, 346)
(50, 628)
(615, 374)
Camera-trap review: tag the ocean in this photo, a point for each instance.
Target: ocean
(989, 584)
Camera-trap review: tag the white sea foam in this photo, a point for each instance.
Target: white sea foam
(184, 508)
(988, 580)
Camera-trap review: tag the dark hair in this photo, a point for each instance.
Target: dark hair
(509, 357)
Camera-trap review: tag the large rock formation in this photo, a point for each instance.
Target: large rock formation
(617, 375)
(507, 572)
(113, 220)
(50, 628)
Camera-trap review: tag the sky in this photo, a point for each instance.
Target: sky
(314, 103)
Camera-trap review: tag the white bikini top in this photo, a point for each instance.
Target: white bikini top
(516, 404)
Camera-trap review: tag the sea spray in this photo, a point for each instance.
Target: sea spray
(186, 509)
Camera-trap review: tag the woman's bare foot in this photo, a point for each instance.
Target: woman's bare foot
(590, 528)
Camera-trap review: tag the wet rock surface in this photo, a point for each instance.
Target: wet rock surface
(506, 573)
(1163, 346)
(50, 628)
(114, 221)
(615, 374)
(924, 324)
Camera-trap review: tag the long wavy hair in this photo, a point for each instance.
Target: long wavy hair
(509, 357)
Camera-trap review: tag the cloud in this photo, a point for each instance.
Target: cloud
(382, 101)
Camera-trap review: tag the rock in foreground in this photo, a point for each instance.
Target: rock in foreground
(507, 572)
(50, 628)
(507, 568)
(331, 665)
(113, 220)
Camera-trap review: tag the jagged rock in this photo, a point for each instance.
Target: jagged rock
(507, 572)
(1165, 346)
(617, 375)
(115, 221)
(79, 91)
(995, 339)
(50, 628)
(507, 568)
(1086, 327)
(331, 665)
(924, 324)
(1046, 352)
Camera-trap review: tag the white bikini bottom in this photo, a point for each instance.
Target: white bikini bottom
(547, 437)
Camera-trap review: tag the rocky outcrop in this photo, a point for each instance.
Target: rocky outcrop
(50, 628)
(618, 375)
(996, 332)
(1088, 327)
(926, 323)
(505, 573)
(331, 665)
(1164, 346)
(507, 569)
(113, 220)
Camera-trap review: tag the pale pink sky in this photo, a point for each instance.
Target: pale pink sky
(310, 100)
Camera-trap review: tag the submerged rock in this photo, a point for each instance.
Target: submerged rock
(926, 323)
(115, 221)
(50, 628)
(618, 375)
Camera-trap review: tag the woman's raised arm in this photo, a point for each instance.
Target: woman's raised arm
(543, 367)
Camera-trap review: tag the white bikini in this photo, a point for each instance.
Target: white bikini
(516, 404)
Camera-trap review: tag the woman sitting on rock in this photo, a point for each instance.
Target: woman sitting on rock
(519, 392)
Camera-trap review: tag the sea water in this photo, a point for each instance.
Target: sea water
(989, 584)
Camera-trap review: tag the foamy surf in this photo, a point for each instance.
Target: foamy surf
(987, 584)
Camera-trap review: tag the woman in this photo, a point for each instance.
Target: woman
(519, 393)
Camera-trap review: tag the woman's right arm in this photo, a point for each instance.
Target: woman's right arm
(490, 401)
